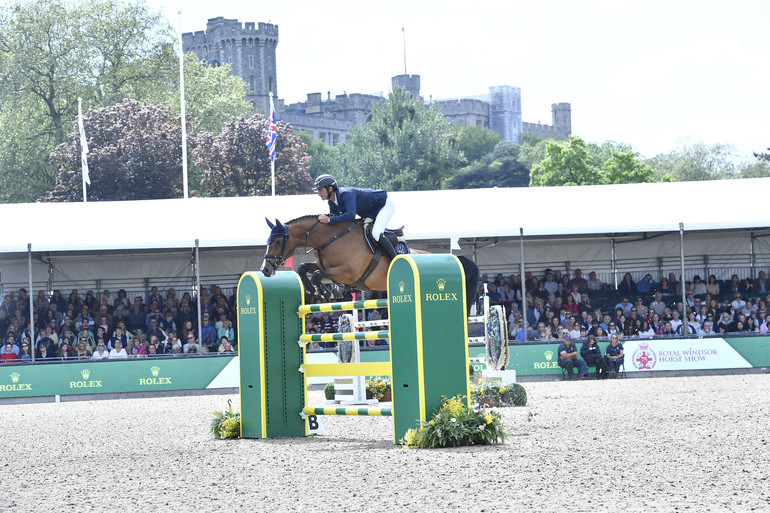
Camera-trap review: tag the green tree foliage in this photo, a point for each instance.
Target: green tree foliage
(213, 95)
(763, 156)
(497, 169)
(760, 169)
(625, 167)
(134, 153)
(474, 141)
(404, 147)
(565, 163)
(236, 162)
(324, 159)
(697, 162)
(51, 53)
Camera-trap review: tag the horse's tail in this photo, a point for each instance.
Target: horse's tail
(471, 281)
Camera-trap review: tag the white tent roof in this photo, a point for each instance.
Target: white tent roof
(427, 215)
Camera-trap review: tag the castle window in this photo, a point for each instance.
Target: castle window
(251, 84)
(251, 61)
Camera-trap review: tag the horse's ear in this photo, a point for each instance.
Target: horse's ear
(271, 225)
(277, 222)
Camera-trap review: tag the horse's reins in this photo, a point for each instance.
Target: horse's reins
(279, 260)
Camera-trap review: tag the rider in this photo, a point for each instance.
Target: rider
(346, 202)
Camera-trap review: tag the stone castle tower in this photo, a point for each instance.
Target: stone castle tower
(249, 49)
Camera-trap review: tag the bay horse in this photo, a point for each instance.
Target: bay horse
(342, 255)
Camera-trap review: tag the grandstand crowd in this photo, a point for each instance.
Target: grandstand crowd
(107, 326)
(558, 304)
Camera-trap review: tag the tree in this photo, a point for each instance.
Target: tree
(404, 147)
(474, 141)
(236, 162)
(763, 156)
(565, 163)
(697, 162)
(213, 95)
(324, 159)
(497, 169)
(51, 53)
(625, 167)
(135, 153)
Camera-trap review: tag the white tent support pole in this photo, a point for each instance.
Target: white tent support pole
(198, 292)
(31, 304)
(752, 254)
(682, 280)
(523, 287)
(614, 264)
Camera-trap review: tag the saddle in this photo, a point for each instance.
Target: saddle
(396, 237)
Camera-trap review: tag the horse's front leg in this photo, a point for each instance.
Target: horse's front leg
(303, 270)
(316, 281)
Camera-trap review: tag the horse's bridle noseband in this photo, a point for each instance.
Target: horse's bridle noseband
(278, 260)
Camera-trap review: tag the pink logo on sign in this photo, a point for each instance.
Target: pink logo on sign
(644, 358)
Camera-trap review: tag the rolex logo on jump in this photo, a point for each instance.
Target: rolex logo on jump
(85, 373)
(15, 377)
(15, 385)
(441, 295)
(401, 287)
(154, 380)
(401, 297)
(248, 309)
(155, 371)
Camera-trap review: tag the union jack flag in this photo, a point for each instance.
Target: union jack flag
(272, 135)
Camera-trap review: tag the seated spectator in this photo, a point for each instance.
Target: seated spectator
(25, 351)
(568, 358)
(712, 287)
(65, 351)
(691, 328)
(191, 344)
(675, 320)
(82, 351)
(208, 335)
(226, 347)
(733, 286)
(101, 353)
(227, 330)
(646, 330)
(747, 286)
(118, 336)
(761, 284)
(665, 330)
(697, 287)
(665, 288)
(117, 351)
(541, 333)
(627, 287)
(152, 350)
(613, 356)
(8, 355)
(624, 305)
(592, 355)
(570, 304)
(707, 329)
(594, 283)
(136, 349)
(578, 283)
(751, 325)
(738, 303)
(765, 326)
(646, 285)
(640, 308)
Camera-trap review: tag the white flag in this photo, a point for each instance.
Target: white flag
(83, 145)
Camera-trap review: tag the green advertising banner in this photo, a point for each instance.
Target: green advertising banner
(110, 376)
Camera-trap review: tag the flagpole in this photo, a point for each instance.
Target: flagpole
(83, 149)
(272, 141)
(184, 116)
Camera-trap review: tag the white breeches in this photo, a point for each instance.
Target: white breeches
(383, 217)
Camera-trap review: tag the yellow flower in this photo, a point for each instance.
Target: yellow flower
(488, 418)
(502, 390)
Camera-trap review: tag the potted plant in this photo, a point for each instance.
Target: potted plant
(379, 388)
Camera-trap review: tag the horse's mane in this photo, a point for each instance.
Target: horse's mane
(313, 216)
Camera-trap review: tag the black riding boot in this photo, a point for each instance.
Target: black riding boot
(387, 247)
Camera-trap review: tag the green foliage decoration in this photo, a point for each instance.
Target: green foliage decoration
(225, 424)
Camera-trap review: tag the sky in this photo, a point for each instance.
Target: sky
(654, 74)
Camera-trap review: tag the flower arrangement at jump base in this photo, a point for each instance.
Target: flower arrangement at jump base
(493, 393)
(455, 425)
(225, 424)
(378, 388)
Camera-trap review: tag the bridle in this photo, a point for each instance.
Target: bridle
(278, 260)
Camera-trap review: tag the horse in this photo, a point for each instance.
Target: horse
(342, 255)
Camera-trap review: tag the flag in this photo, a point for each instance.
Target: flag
(272, 135)
(83, 145)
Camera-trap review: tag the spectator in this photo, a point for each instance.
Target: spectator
(734, 285)
(208, 335)
(167, 347)
(765, 325)
(225, 346)
(761, 283)
(747, 287)
(136, 316)
(549, 284)
(614, 356)
(592, 355)
(579, 283)
(8, 355)
(738, 303)
(697, 286)
(118, 336)
(624, 305)
(675, 320)
(627, 287)
(541, 333)
(152, 350)
(568, 359)
(65, 350)
(707, 329)
(227, 329)
(666, 289)
(646, 330)
(136, 348)
(570, 304)
(712, 287)
(594, 283)
(658, 306)
(101, 352)
(191, 345)
(646, 285)
(117, 351)
(82, 351)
